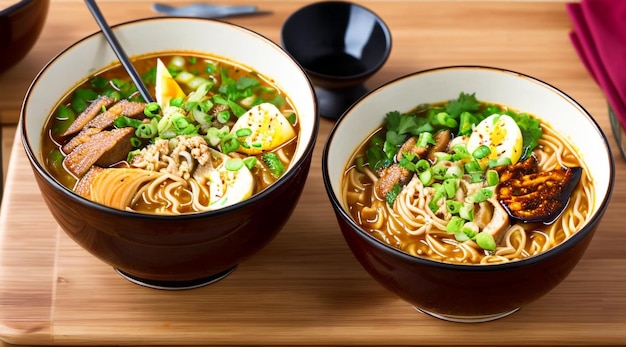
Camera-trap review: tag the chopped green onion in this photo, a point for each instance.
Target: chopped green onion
(455, 224)
(152, 109)
(124, 121)
(499, 162)
(243, 132)
(450, 186)
(229, 144)
(223, 116)
(250, 162)
(473, 166)
(454, 172)
(147, 130)
(481, 195)
(462, 235)
(467, 211)
(460, 152)
(135, 142)
(476, 177)
(486, 241)
(422, 165)
(481, 152)
(426, 177)
(492, 177)
(425, 139)
(234, 164)
(454, 207)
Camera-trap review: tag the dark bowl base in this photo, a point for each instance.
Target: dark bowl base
(176, 285)
(334, 102)
(468, 319)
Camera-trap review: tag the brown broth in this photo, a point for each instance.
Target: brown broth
(52, 142)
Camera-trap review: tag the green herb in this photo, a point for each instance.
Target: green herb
(392, 195)
(465, 103)
(277, 168)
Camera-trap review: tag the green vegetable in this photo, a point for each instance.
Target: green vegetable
(124, 121)
(492, 177)
(455, 224)
(465, 103)
(481, 152)
(481, 195)
(250, 162)
(485, 241)
(393, 194)
(234, 164)
(64, 117)
(272, 161)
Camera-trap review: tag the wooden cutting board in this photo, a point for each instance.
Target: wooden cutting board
(304, 288)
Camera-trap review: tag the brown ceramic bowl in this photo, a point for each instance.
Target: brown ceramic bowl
(171, 251)
(463, 292)
(20, 26)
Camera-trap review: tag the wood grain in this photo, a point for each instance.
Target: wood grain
(306, 288)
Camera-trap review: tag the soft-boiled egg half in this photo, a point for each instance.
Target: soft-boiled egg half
(230, 182)
(262, 128)
(501, 134)
(166, 87)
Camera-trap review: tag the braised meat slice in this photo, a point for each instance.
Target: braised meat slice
(410, 146)
(105, 120)
(83, 187)
(132, 109)
(80, 138)
(103, 149)
(88, 114)
(389, 177)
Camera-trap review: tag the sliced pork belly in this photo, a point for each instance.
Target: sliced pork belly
(124, 107)
(105, 120)
(83, 187)
(88, 114)
(103, 149)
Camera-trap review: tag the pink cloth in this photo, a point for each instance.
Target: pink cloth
(599, 37)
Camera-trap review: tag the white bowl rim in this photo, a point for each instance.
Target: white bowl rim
(307, 152)
(570, 242)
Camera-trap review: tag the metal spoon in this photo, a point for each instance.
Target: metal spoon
(205, 10)
(117, 48)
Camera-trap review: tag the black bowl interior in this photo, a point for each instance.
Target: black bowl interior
(337, 39)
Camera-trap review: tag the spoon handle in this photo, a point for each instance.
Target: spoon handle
(117, 48)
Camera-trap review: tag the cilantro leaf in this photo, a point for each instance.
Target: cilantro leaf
(465, 103)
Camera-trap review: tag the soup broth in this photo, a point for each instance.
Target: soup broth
(217, 134)
(467, 182)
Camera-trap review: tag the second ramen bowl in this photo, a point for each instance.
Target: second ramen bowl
(464, 292)
(172, 251)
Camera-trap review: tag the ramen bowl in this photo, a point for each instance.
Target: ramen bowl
(454, 290)
(171, 251)
(21, 23)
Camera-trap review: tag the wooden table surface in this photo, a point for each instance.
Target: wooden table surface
(305, 288)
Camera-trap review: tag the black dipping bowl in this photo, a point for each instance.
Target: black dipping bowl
(340, 45)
